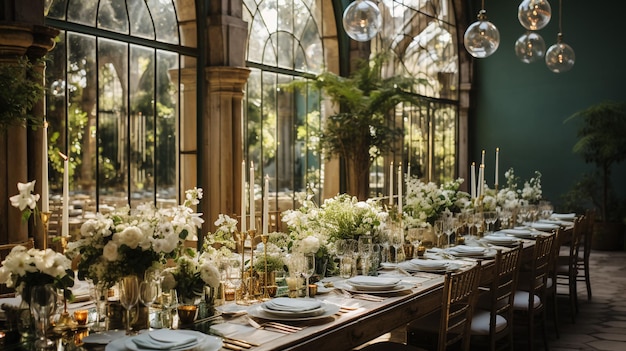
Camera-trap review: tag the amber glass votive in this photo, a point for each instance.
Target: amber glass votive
(81, 316)
(187, 313)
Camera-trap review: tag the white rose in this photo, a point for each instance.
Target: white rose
(110, 251)
(310, 244)
(130, 236)
(210, 275)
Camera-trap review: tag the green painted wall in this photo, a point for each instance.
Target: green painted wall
(521, 107)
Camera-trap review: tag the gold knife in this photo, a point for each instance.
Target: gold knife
(228, 346)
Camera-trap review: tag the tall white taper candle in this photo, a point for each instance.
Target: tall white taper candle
(473, 179)
(266, 204)
(252, 209)
(400, 189)
(391, 183)
(497, 160)
(244, 205)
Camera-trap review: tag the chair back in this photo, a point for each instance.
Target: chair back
(541, 268)
(460, 291)
(503, 287)
(590, 219)
(580, 226)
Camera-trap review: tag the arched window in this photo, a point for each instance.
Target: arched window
(114, 98)
(285, 43)
(421, 35)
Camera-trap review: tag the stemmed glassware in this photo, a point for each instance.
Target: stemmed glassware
(148, 292)
(477, 220)
(439, 230)
(449, 226)
(365, 252)
(129, 296)
(345, 252)
(308, 270)
(43, 299)
(396, 239)
(490, 218)
(169, 301)
(98, 292)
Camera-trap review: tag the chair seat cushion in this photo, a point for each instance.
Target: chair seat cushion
(480, 323)
(521, 301)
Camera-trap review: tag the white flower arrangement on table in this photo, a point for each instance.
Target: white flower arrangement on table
(510, 197)
(129, 241)
(25, 201)
(221, 243)
(425, 202)
(24, 268)
(340, 217)
(191, 273)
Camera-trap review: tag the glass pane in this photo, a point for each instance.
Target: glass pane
(286, 48)
(57, 9)
(81, 90)
(141, 125)
(140, 19)
(166, 141)
(112, 16)
(165, 22)
(257, 42)
(81, 11)
(113, 123)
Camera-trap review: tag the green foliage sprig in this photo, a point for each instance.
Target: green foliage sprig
(20, 90)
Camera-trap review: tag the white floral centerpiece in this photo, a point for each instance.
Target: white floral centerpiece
(314, 229)
(129, 241)
(24, 268)
(190, 274)
(221, 244)
(425, 202)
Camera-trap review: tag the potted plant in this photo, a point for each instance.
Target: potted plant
(20, 90)
(602, 142)
(364, 128)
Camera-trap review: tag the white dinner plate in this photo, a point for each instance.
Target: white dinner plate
(258, 312)
(309, 313)
(402, 286)
(205, 343)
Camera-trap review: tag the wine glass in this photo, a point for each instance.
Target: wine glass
(439, 228)
(309, 270)
(490, 219)
(365, 252)
(129, 296)
(449, 226)
(397, 240)
(148, 292)
(98, 292)
(233, 276)
(169, 301)
(43, 299)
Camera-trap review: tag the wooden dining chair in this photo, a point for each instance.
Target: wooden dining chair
(582, 263)
(567, 267)
(529, 303)
(451, 326)
(492, 322)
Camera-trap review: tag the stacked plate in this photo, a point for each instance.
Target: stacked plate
(520, 233)
(367, 283)
(546, 227)
(467, 251)
(501, 240)
(284, 306)
(564, 216)
(416, 265)
(166, 339)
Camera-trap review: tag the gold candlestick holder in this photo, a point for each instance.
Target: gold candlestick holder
(266, 295)
(65, 322)
(45, 218)
(244, 284)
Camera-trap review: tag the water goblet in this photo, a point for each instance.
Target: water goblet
(148, 292)
(98, 292)
(129, 296)
(309, 269)
(490, 219)
(439, 230)
(43, 300)
(365, 252)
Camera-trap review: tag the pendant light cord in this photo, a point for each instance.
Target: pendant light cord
(482, 5)
(560, 15)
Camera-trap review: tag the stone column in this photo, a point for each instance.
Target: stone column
(21, 34)
(221, 144)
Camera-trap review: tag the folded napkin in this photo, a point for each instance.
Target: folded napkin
(544, 226)
(286, 304)
(468, 249)
(363, 280)
(165, 339)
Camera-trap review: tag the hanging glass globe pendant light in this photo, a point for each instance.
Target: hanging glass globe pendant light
(534, 14)
(530, 47)
(481, 38)
(362, 20)
(560, 57)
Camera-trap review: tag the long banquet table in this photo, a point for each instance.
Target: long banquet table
(365, 320)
